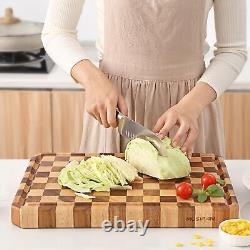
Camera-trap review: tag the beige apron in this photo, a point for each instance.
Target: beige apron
(153, 53)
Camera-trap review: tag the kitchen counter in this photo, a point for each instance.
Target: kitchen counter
(12, 237)
(58, 79)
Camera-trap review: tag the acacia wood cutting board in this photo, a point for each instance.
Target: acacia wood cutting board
(41, 202)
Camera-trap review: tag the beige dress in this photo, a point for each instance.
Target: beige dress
(153, 53)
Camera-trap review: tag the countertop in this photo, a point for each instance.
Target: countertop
(12, 237)
(58, 79)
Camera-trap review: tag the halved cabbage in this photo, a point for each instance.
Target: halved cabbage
(145, 157)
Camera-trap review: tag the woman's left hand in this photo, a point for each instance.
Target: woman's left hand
(185, 116)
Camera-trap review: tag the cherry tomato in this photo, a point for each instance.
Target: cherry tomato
(207, 180)
(184, 190)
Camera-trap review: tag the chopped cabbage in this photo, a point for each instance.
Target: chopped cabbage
(97, 174)
(85, 196)
(145, 157)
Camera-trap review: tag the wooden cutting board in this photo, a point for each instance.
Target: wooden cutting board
(41, 202)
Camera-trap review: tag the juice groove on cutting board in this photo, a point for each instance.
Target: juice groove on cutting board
(41, 202)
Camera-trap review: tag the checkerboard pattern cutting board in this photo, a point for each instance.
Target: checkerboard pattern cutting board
(41, 202)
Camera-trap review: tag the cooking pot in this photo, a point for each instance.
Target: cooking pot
(18, 35)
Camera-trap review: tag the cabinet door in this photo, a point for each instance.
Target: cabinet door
(25, 123)
(67, 116)
(236, 107)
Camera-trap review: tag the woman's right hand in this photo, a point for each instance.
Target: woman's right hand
(102, 97)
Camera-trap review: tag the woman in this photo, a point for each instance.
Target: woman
(151, 67)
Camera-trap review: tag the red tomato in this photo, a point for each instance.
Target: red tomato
(184, 190)
(207, 180)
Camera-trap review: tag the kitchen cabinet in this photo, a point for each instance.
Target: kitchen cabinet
(67, 118)
(235, 108)
(25, 123)
(40, 121)
(34, 121)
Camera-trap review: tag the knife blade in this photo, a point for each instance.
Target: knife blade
(131, 129)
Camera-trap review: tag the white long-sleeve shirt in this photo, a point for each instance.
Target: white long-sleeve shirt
(60, 38)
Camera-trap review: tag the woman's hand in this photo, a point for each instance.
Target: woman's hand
(102, 98)
(186, 118)
(185, 115)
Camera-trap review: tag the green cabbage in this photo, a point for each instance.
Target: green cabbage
(98, 174)
(145, 157)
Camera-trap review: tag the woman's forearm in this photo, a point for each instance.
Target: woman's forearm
(85, 72)
(198, 98)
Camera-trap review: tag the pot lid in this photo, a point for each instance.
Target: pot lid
(13, 26)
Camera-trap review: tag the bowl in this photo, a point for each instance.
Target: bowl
(231, 239)
(246, 179)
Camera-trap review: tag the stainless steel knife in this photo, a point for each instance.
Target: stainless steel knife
(131, 129)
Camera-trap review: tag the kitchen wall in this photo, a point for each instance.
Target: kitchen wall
(36, 10)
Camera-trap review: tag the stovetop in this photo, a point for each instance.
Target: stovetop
(25, 62)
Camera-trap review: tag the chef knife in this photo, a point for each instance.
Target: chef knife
(131, 129)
